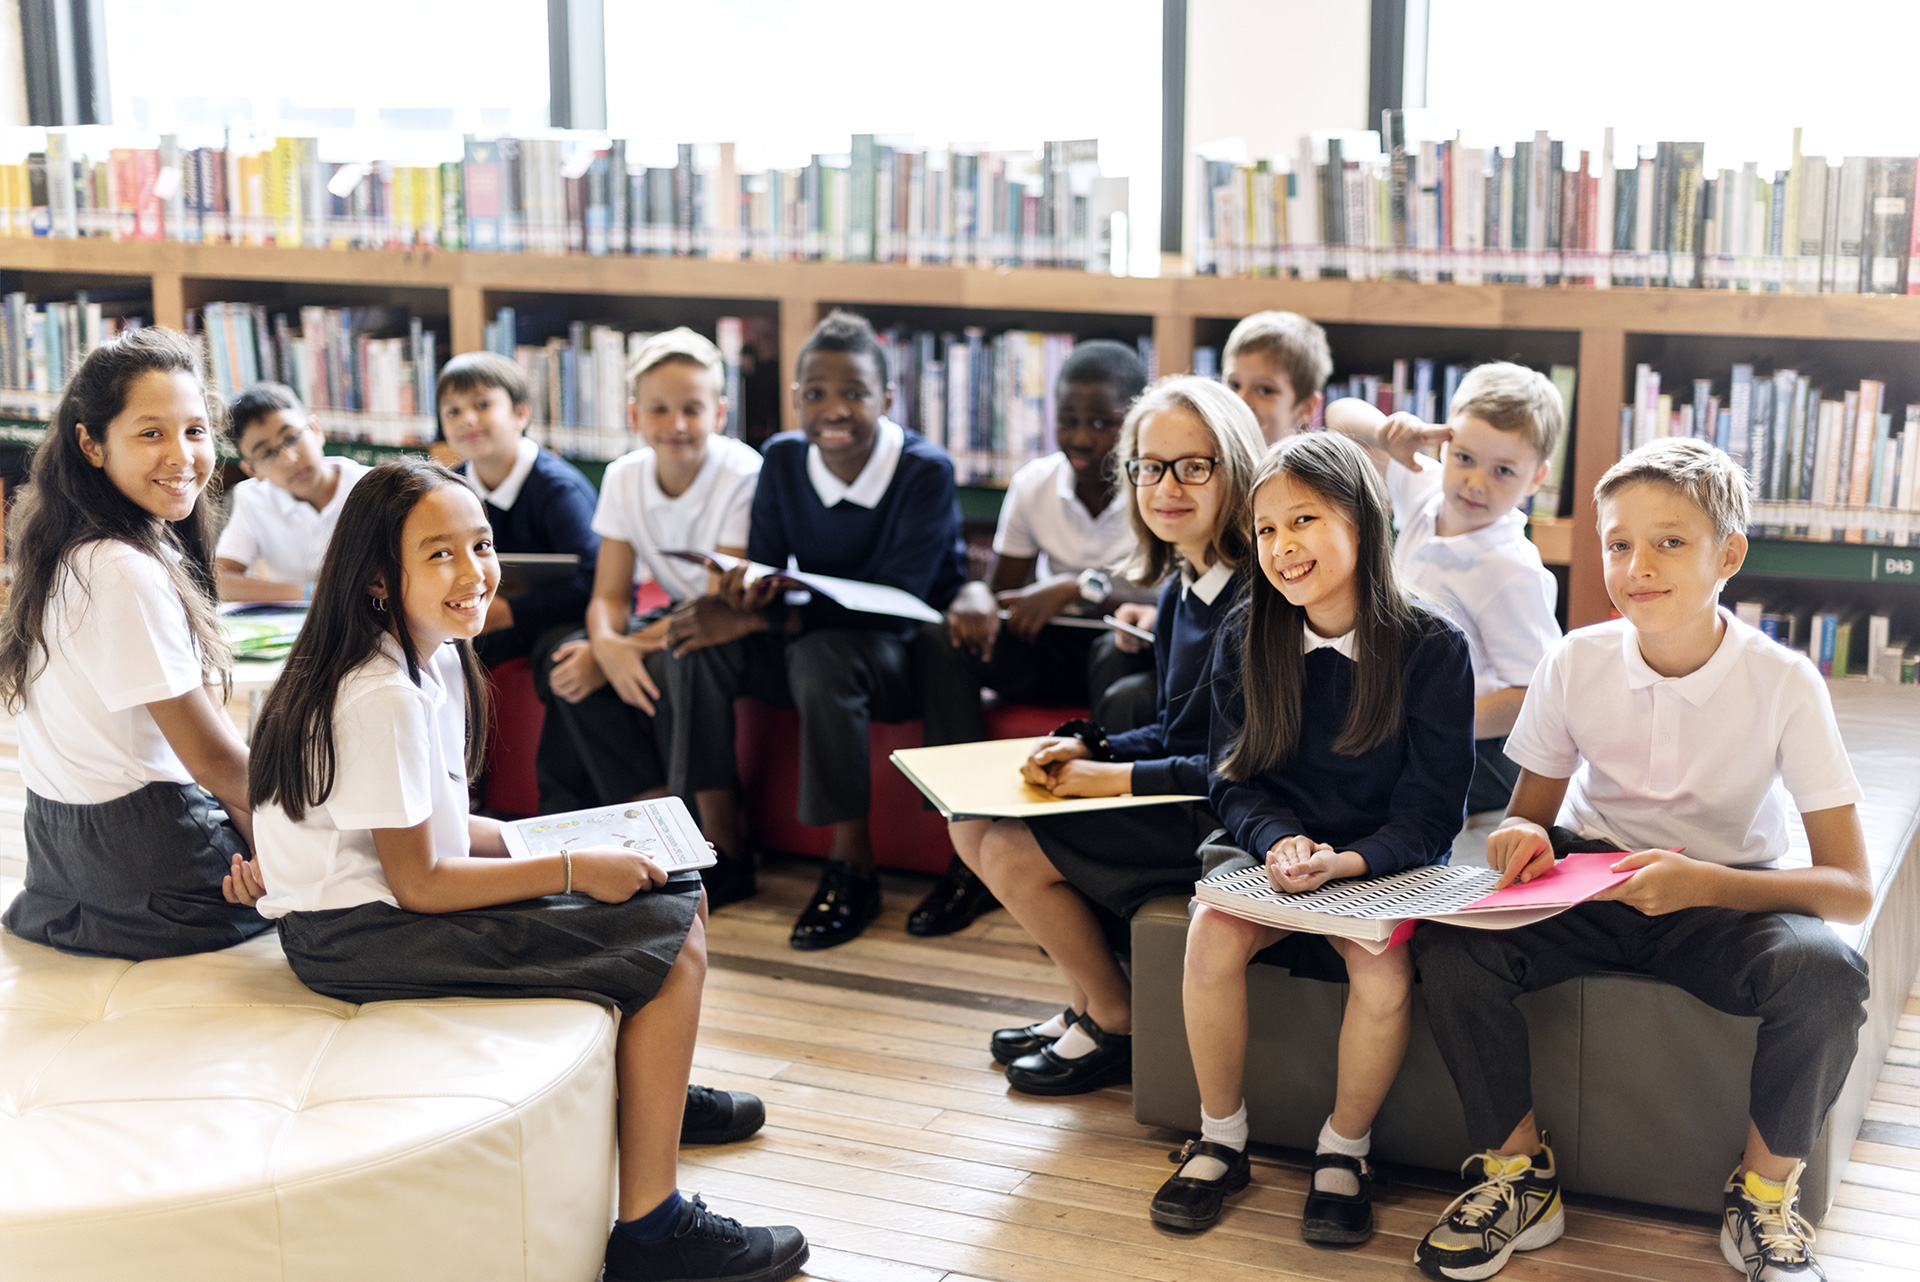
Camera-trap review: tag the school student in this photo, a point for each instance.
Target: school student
(536, 501)
(854, 495)
(687, 487)
(1342, 743)
(384, 887)
(1463, 545)
(1066, 526)
(137, 823)
(1678, 733)
(284, 513)
(1190, 450)
(1278, 363)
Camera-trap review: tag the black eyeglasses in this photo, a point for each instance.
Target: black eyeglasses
(1194, 469)
(269, 455)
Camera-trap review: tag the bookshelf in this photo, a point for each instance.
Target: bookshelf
(1600, 331)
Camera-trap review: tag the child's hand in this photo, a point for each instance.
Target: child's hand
(243, 885)
(1298, 864)
(1029, 608)
(614, 875)
(1519, 850)
(707, 621)
(973, 620)
(622, 662)
(1084, 778)
(754, 597)
(575, 673)
(1140, 616)
(1666, 882)
(1402, 436)
(1039, 766)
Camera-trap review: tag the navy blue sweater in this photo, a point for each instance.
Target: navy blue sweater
(909, 540)
(552, 513)
(1169, 755)
(1399, 804)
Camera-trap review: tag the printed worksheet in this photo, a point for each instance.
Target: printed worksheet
(662, 830)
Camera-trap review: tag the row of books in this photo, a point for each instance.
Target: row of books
(988, 400)
(1372, 205)
(1843, 645)
(1823, 469)
(41, 345)
(886, 200)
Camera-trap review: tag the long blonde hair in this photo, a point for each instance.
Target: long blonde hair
(1237, 445)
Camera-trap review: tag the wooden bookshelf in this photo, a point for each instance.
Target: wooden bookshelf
(180, 274)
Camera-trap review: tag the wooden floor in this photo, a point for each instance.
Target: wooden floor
(892, 1139)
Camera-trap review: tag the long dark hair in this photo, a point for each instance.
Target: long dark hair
(1387, 626)
(67, 501)
(294, 756)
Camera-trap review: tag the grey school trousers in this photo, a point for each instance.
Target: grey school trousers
(1794, 972)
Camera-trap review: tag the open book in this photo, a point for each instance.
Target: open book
(1379, 912)
(982, 781)
(662, 830)
(852, 594)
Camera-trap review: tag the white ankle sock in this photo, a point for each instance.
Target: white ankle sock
(1074, 1043)
(1055, 1027)
(1338, 1182)
(1230, 1131)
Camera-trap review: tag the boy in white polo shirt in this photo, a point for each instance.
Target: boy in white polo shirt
(687, 487)
(1678, 733)
(283, 516)
(1462, 545)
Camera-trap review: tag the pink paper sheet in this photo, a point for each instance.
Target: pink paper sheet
(1575, 879)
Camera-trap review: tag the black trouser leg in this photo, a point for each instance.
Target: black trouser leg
(841, 682)
(950, 679)
(1120, 686)
(600, 750)
(698, 709)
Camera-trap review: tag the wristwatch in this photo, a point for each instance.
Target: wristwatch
(1095, 586)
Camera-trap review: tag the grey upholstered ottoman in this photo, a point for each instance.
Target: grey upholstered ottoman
(1643, 1087)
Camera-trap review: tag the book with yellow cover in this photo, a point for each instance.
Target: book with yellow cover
(983, 781)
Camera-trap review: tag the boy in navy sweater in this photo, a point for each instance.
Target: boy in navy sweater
(852, 494)
(535, 500)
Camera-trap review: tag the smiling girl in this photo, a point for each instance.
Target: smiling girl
(137, 822)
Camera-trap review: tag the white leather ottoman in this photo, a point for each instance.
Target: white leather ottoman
(209, 1118)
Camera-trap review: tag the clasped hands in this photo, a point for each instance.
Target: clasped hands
(1298, 864)
(1065, 768)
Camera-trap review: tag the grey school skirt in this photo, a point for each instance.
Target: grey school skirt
(1119, 859)
(136, 877)
(570, 946)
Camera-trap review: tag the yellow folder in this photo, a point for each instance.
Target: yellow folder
(982, 781)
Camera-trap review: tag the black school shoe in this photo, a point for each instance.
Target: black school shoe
(1009, 1044)
(1339, 1219)
(707, 1247)
(953, 903)
(730, 881)
(720, 1117)
(1184, 1202)
(843, 903)
(1045, 1073)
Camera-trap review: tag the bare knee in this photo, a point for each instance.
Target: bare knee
(1220, 945)
(1380, 987)
(1010, 857)
(691, 964)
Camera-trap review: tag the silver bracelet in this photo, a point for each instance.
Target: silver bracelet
(566, 862)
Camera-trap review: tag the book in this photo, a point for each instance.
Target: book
(983, 781)
(1379, 912)
(522, 572)
(850, 594)
(660, 829)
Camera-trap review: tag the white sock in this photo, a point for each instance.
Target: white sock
(1230, 1131)
(1074, 1043)
(1331, 1180)
(1055, 1027)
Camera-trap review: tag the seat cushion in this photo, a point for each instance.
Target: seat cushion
(212, 1117)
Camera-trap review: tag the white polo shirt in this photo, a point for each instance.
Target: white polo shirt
(399, 758)
(267, 524)
(1491, 584)
(1705, 761)
(1043, 517)
(116, 640)
(713, 512)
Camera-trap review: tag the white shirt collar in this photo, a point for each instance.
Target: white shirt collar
(430, 683)
(1209, 585)
(868, 488)
(1314, 641)
(1065, 479)
(1697, 686)
(503, 495)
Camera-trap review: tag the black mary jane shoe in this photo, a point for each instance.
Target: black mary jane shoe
(1339, 1219)
(1185, 1202)
(1009, 1044)
(1044, 1072)
(955, 900)
(843, 903)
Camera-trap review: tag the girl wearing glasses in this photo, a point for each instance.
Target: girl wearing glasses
(1189, 449)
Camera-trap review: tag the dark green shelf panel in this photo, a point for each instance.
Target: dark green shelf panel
(980, 504)
(1835, 562)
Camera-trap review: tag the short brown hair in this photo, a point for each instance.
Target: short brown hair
(1296, 342)
(1710, 480)
(679, 344)
(1237, 444)
(481, 369)
(1513, 398)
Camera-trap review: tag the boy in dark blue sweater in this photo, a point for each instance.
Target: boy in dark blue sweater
(852, 494)
(535, 500)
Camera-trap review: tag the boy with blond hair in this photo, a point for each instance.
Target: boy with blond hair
(1463, 546)
(1675, 732)
(1278, 363)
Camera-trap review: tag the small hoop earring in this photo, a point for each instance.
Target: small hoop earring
(379, 605)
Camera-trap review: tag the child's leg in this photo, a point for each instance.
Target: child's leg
(841, 681)
(966, 835)
(1025, 881)
(1214, 991)
(1373, 1033)
(653, 1060)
